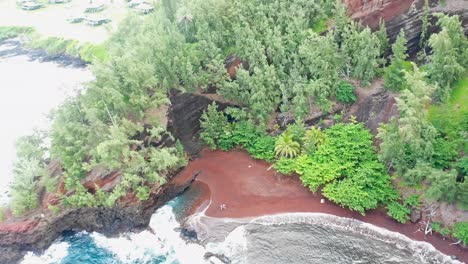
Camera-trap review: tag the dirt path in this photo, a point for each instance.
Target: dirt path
(248, 187)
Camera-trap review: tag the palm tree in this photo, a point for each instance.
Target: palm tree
(286, 147)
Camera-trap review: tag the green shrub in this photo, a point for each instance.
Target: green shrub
(263, 148)
(2, 214)
(398, 211)
(320, 26)
(437, 227)
(143, 193)
(55, 209)
(462, 166)
(413, 201)
(347, 165)
(445, 152)
(285, 165)
(345, 92)
(297, 132)
(460, 231)
(50, 184)
(91, 52)
(11, 32)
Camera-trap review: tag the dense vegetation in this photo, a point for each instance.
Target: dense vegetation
(293, 66)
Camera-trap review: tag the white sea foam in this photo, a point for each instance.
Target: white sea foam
(54, 254)
(165, 241)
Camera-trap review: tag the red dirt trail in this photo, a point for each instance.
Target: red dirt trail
(250, 188)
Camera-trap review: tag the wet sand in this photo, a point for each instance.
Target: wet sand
(251, 188)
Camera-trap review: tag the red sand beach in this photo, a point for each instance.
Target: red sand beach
(251, 188)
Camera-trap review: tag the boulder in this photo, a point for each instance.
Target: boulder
(106, 180)
(415, 215)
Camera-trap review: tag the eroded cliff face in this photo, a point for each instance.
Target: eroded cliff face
(184, 117)
(403, 14)
(39, 229)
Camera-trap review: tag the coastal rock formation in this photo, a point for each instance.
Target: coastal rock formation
(38, 232)
(403, 14)
(374, 105)
(184, 117)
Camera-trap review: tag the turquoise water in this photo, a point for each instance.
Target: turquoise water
(162, 245)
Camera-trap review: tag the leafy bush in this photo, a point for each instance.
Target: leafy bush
(2, 214)
(11, 32)
(285, 165)
(263, 148)
(28, 168)
(55, 209)
(462, 166)
(143, 193)
(312, 139)
(460, 231)
(437, 227)
(413, 201)
(347, 165)
(398, 211)
(345, 92)
(297, 132)
(50, 184)
(445, 152)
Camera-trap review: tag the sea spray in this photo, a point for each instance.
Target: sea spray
(54, 254)
(161, 244)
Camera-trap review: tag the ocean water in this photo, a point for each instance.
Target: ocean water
(284, 238)
(30, 89)
(162, 245)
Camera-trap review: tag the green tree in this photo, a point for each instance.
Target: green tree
(383, 37)
(362, 47)
(213, 124)
(394, 76)
(410, 139)
(444, 185)
(448, 57)
(28, 169)
(426, 24)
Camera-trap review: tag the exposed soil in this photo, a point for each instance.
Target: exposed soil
(250, 188)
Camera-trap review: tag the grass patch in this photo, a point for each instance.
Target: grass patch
(450, 118)
(12, 32)
(457, 105)
(55, 45)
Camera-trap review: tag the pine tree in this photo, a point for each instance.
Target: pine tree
(410, 139)
(363, 50)
(426, 24)
(394, 77)
(383, 37)
(449, 55)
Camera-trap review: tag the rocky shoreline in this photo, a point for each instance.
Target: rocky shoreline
(14, 47)
(36, 235)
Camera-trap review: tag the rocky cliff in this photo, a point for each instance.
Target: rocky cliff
(403, 14)
(184, 117)
(38, 232)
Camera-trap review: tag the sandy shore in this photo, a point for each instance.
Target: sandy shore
(251, 188)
